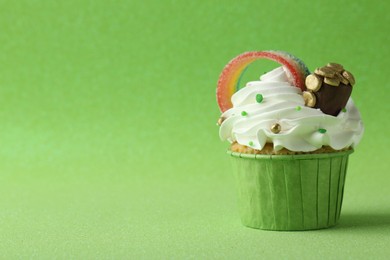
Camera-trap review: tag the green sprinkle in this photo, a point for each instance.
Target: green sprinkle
(250, 143)
(322, 130)
(244, 113)
(298, 108)
(344, 110)
(259, 98)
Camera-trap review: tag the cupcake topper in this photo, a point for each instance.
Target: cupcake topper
(329, 88)
(231, 74)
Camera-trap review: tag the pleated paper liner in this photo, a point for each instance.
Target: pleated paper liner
(290, 192)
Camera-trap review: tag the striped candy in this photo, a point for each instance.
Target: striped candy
(230, 76)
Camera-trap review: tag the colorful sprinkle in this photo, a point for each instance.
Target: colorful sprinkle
(244, 113)
(298, 108)
(259, 98)
(344, 110)
(250, 143)
(322, 130)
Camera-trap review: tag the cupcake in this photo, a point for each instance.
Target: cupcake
(291, 134)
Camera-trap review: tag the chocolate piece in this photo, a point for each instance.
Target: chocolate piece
(313, 82)
(310, 98)
(332, 100)
(333, 94)
(276, 128)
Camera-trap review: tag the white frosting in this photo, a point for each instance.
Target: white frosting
(299, 128)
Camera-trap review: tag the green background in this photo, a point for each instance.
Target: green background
(108, 143)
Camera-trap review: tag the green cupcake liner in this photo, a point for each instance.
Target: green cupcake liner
(290, 192)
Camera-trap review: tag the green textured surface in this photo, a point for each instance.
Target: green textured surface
(108, 143)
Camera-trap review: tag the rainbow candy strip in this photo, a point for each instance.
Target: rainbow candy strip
(231, 74)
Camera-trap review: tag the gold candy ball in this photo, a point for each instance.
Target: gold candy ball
(275, 128)
(220, 121)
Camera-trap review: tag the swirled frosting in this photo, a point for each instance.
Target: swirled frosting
(273, 100)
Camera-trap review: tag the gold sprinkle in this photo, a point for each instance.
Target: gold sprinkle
(313, 82)
(220, 120)
(310, 98)
(335, 66)
(342, 79)
(348, 75)
(332, 81)
(276, 128)
(325, 72)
